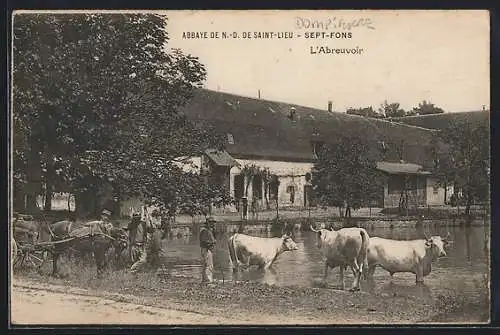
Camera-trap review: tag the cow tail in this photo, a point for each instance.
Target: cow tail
(364, 249)
(233, 258)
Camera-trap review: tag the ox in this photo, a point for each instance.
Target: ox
(260, 251)
(342, 248)
(415, 256)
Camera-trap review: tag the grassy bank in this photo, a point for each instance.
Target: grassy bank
(261, 302)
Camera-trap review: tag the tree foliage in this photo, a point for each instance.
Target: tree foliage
(462, 158)
(366, 112)
(98, 96)
(345, 173)
(391, 109)
(425, 108)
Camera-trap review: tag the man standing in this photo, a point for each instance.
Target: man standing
(207, 244)
(106, 225)
(153, 252)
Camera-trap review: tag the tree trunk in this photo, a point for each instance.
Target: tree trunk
(468, 203)
(31, 206)
(49, 182)
(33, 176)
(47, 206)
(445, 192)
(467, 209)
(348, 211)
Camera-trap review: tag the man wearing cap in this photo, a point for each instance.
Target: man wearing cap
(153, 251)
(207, 244)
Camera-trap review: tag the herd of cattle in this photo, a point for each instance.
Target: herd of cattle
(343, 248)
(346, 247)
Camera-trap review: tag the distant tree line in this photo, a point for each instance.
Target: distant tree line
(388, 110)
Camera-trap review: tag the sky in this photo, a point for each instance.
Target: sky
(407, 57)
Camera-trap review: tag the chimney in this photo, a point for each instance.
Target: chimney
(259, 94)
(484, 108)
(329, 106)
(292, 113)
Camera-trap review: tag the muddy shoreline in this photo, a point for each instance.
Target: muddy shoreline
(253, 303)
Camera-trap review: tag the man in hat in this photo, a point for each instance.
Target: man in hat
(207, 244)
(106, 224)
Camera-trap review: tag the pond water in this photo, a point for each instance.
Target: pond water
(462, 270)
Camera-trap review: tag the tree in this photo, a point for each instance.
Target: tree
(366, 112)
(391, 110)
(345, 173)
(426, 108)
(99, 97)
(464, 159)
(442, 170)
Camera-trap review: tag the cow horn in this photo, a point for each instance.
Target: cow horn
(314, 230)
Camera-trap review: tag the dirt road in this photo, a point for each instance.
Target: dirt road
(30, 305)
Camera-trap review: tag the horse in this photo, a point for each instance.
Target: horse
(85, 238)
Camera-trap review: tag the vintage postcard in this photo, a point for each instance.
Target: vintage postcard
(250, 167)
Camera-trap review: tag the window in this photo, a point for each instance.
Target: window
(257, 187)
(238, 186)
(230, 138)
(316, 147)
(274, 187)
(435, 189)
(290, 189)
(395, 184)
(308, 176)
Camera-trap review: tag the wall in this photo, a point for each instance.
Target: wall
(415, 197)
(435, 197)
(289, 173)
(59, 201)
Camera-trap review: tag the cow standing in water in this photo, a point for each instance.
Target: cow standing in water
(260, 251)
(414, 256)
(342, 248)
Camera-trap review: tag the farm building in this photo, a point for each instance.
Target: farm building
(282, 139)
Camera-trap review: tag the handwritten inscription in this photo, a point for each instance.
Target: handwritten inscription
(333, 23)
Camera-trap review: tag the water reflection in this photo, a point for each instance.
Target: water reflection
(466, 261)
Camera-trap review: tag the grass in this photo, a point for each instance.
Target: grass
(456, 307)
(246, 300)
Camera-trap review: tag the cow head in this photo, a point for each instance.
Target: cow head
(288, 243)
(436, 243)
(321, 236)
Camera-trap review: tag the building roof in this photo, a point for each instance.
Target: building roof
(401, 168)
(221, 158)
(262, 129)
(443, 120)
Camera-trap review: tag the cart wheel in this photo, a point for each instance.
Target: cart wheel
(31, 259)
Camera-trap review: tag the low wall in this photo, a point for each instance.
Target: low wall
(183, 230)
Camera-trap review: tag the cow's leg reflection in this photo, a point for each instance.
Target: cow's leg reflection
(325, 275)
(342, 282)
(419, 275)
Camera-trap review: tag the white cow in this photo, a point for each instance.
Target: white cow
(415, 256)
(260, 251)
(342, 248)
